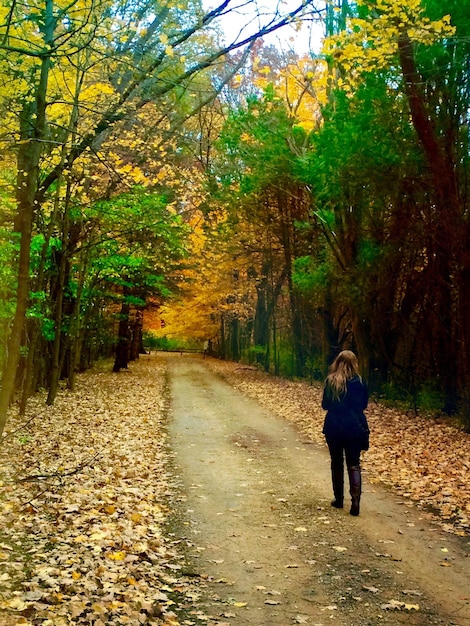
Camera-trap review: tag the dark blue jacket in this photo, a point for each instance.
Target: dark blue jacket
(345, 418)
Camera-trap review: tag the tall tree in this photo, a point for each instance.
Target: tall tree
(136, 64)
(420, 41)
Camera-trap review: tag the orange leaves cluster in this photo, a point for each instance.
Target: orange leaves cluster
(81, 537)
(423, 459)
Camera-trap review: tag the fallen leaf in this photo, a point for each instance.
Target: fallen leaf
(120, 555)
(397, 605)
(392, 605)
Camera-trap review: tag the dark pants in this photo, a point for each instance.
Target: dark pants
(340, 448)
(351, 449)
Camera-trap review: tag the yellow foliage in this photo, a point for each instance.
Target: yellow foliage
(216, 286)
(370, 43)
(303, 88)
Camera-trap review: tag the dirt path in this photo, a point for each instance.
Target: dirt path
(255, 513)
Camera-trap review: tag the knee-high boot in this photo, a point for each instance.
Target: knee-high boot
(355, 486)
(337, 478)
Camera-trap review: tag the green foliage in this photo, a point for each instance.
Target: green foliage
(38, 310)
(143, 244)
(370, 254)
(8, 251)
(286, 366)
(256, 354)
(310, 276)
(38, 242)
(254, 145)
(314, 367)
(166, 343)
(24, 439)
(361, 145)
(429, 399)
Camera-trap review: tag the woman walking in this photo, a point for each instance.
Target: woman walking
(345, 397)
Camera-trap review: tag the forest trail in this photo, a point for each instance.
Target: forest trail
(254, 510)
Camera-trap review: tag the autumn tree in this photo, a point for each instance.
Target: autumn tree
(384, 161)
(259, 203)
(81, 71)
(421, 57)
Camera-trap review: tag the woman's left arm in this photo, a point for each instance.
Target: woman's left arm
(326, 399)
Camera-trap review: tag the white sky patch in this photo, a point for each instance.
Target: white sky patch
(249, 16)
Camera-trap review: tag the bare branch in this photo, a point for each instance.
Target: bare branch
(58, 474)
(119, 110)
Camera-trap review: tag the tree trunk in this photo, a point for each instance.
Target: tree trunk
(235, 339)
(136, 336)
(223, 339)
(261, 321)
(58, 338)
(33, 123)
(122, 348)
(448, 255)
(287, 239)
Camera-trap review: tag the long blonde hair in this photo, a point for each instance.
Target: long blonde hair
(343, 368)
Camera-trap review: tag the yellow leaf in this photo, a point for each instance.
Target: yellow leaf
(120, 555)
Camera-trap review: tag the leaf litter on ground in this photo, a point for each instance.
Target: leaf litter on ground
(85, 486)
(83, 493)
